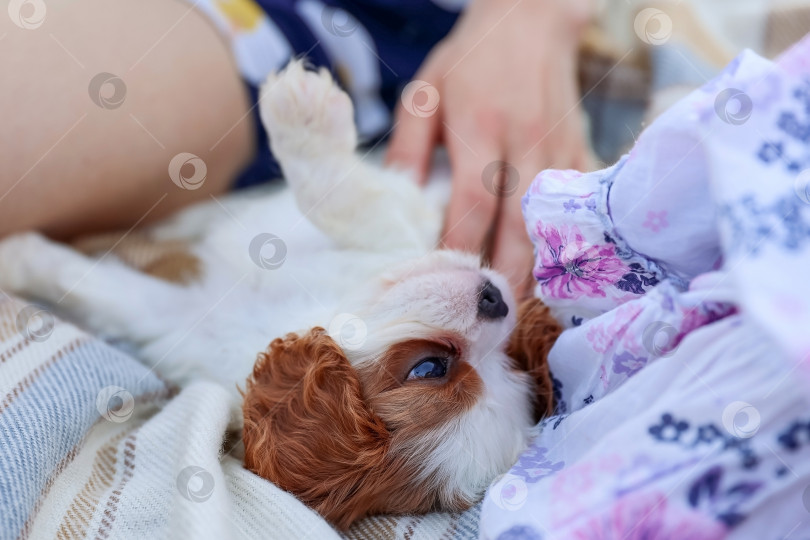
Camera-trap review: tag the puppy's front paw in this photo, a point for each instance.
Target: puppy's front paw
(305, 110)
(16, 253)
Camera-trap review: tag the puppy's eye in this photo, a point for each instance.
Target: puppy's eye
(429, 368)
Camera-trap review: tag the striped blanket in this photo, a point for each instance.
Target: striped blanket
(95, 445)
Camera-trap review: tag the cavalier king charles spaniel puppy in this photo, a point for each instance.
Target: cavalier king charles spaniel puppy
(398, 378)
(423, 415)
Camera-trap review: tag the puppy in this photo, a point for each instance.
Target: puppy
(408, 397)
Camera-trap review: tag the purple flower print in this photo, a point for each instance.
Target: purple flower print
(770, 151)
(603, 336)
(696, 317)
(643, 516)
(571, 206)
(656, 221)
(533, 465)
(521, 532)
(600, 338)
(561, 175)
(556, 175)
(669, 430)
(590, 204)
(627, 363)
(713, 494)
(796, 59)
(568, 267)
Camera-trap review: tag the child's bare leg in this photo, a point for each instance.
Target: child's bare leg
(72, 166)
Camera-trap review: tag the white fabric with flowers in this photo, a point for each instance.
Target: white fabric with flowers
(681, 276)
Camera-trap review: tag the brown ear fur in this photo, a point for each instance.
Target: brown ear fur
(308, 429)
(529, 346)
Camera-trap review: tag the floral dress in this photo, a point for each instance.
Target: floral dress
(682, 276)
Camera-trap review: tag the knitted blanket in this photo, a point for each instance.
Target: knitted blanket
(95, 445)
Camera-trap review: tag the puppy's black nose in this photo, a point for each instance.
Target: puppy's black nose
(490, 302)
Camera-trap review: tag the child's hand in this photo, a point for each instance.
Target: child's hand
(506, 79)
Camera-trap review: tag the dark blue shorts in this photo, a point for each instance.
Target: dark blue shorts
(372, 47)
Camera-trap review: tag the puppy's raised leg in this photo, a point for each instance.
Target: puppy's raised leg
(106, 297)
(312, 134)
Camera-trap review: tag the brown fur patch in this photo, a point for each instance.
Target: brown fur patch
(309, 430)
(412, 407)
(351, 442)
(529, 346)
(170, 260)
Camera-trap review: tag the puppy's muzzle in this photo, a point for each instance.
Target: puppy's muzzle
(490, 302)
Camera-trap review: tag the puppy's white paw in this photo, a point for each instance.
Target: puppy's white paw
(17, 253)
(305, 110)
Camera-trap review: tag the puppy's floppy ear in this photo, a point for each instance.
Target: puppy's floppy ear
(308, 429)
(529, 346)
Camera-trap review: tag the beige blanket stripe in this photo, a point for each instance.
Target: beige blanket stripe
(77, 518)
